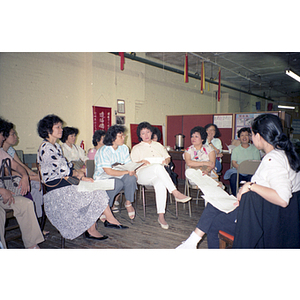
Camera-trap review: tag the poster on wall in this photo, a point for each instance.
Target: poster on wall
(245, 120)
(101, 118)
(223, 121)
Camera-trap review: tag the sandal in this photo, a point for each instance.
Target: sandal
(103, 218)
(131, 214)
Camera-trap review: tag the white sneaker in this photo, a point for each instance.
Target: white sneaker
(191, 242)
(187, 245)
(1, 246)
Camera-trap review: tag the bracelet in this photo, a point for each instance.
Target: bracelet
(250, 185)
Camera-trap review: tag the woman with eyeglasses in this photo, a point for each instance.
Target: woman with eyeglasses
(115, 151)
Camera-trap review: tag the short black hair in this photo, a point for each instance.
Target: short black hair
(156, 132)
(244, 129)
(111, 134)
(201, 131)
(143, 125)
(68, 131)
(5, 127)
(218, 133)
(46, 124)
(98, 134)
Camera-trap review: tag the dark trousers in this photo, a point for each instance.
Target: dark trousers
(261, 224)
(212, 220)
(233, 181)
(126, 183)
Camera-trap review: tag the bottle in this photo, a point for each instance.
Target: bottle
(82, 144)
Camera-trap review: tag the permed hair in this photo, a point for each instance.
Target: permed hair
(98, 134)
(68, 131)
(201, 131)
(143, 125)
(46, 124)
(111, 134)
(5, 127)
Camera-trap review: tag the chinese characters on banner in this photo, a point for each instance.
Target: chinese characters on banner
(101, 118)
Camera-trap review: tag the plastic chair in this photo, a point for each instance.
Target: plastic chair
(248, 167)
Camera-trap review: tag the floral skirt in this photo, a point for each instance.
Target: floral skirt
(73, 212)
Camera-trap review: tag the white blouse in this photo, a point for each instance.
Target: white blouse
(275, 172)
(74, 153)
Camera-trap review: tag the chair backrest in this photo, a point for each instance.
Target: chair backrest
(90, 167)
(246, 167)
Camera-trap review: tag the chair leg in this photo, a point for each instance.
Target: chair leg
(144, 204)
(62, 242)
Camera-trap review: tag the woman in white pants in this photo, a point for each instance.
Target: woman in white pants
(154, 156)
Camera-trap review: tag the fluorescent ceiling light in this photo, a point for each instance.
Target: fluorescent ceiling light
(286, 107)
(293, 75)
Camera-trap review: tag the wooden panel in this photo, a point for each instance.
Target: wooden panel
(174, 126)
(183, 125)
(134, 138)
(190, 121)
(179, 163)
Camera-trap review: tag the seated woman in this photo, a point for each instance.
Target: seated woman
(273, 183)
(114, 151)
(200, 156)
(156, 136)
(212, 140)
(244, 151)
(23, 208)
(97, 142)
(155, 173)
(70, 211)
(36, 193)
(72, 152)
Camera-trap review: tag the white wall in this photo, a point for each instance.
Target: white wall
(33, 85)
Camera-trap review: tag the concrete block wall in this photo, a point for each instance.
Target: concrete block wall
(33, 85)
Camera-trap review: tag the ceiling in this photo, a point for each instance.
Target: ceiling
(260, 73)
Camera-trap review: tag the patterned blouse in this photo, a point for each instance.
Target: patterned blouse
(199, 155)
(53, 163)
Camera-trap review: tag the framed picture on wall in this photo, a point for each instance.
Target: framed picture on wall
(121, 106)
(120, 120)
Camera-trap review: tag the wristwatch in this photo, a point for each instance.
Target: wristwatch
(250, 185)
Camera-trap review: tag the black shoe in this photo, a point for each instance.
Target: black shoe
(88, 236)
(109, 225)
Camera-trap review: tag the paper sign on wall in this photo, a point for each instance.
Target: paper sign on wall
(223, 121)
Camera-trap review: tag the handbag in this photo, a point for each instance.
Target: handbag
(9, 182)
(73, 180)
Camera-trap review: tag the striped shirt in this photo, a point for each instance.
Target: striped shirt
(106, 156)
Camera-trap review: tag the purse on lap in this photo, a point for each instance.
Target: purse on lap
(9, 182)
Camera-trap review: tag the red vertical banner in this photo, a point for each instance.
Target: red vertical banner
(101, 118)
(122, 60)
(202, 78)
(186, 69)
(219, 87)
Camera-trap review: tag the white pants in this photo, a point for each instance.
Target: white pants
(158, 177)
